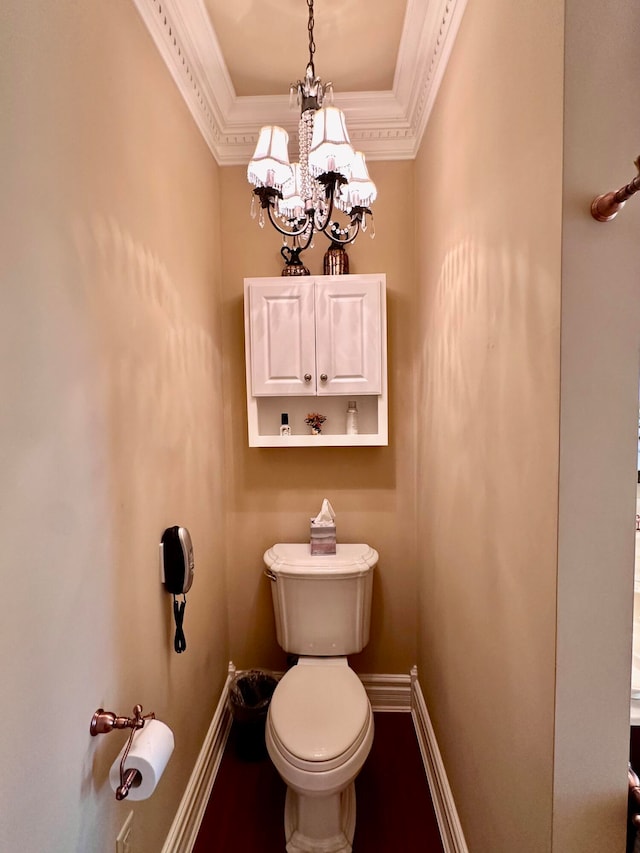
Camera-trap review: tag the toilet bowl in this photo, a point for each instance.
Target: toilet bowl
(319, 727)
(319, 732)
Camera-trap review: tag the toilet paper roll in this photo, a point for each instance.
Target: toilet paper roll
(150, 751)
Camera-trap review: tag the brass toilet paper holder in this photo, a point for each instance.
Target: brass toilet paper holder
(104, 722)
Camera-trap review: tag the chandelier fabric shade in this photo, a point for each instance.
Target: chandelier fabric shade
(300, 198)
(291, 205)
(359, 189)
(270, 166)
(330, 149)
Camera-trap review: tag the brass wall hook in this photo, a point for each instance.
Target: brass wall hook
(606, 207)
(104, 722)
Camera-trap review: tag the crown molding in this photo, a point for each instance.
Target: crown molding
(385, 125)
(428, 36)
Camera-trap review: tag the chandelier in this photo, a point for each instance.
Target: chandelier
(301, 198)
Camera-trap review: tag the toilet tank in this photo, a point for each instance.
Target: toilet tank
(322, 605)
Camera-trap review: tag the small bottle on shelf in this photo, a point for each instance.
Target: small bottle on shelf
(352, 418)
(285, 429)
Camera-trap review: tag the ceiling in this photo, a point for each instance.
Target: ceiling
(234, 62)
(246, 32)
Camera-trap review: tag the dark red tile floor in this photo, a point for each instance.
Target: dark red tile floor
(394, 808)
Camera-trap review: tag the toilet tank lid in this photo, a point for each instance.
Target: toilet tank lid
(295, 557)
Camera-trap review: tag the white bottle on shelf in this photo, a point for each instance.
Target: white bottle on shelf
(352, 418)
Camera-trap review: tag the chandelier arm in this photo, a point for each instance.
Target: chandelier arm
(310, 231)
(331, 230)
(349, 238)
(283, 231)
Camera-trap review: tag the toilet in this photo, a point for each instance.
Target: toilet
(319, 728)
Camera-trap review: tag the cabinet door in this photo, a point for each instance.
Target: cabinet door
(282, 334)
(349, 336)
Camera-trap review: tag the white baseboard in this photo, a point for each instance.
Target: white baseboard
(451, 833)
(385, 692)
(186, 824)
(388, 692)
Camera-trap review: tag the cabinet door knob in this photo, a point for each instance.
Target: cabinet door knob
(307, 377)
(323, 377)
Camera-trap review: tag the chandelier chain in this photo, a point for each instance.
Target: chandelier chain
(312, 44)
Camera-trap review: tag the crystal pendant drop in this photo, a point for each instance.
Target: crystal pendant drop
(253, 206)
(261, 218)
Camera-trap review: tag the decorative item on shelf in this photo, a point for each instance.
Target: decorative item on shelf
(300, 197)
(315, 421)
(336, 260)
(293, 264)
(285, 428)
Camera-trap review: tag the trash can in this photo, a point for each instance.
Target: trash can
(249, 696)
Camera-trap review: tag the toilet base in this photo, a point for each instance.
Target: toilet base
(320, 824)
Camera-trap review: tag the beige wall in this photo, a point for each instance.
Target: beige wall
(527, 391)
(110, 427)
(489, 249)
(271, 493)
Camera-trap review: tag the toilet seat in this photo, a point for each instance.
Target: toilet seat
(319, 715)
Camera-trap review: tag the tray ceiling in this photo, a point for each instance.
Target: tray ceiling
(264, 43)
(234, 62)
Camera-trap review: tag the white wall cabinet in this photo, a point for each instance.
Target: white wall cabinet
(311, 343)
